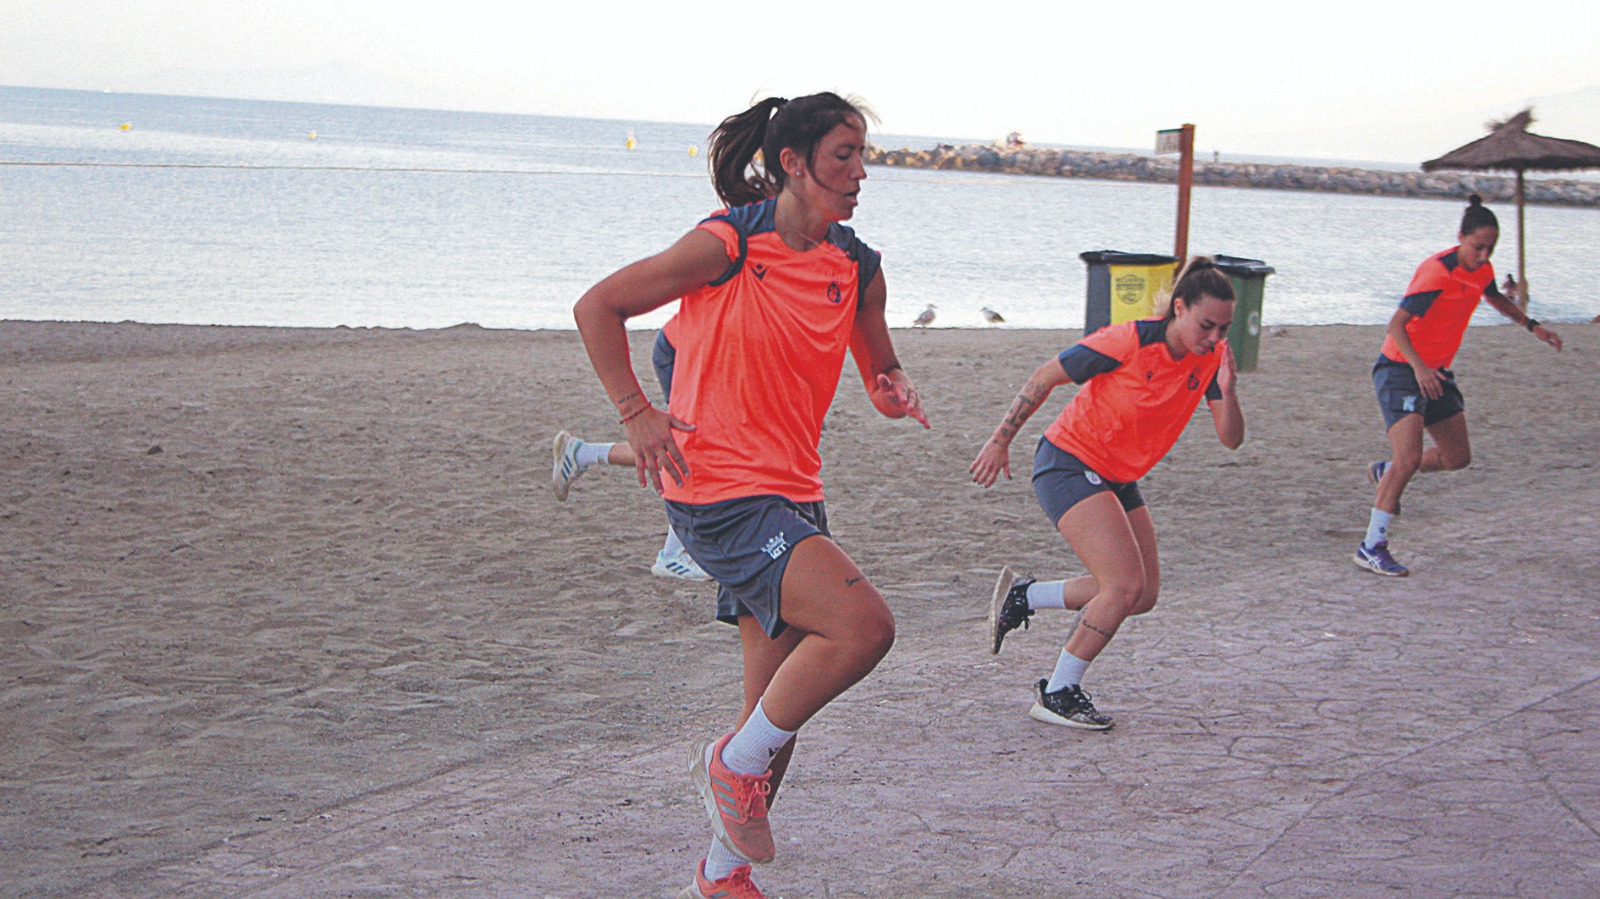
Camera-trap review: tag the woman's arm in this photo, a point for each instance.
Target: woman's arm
(1225, 412)
(995, 457)
(1510, 310)
(694, 261)
(1427, 379)
(888, 386)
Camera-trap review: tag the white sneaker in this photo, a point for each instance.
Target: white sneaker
(565, 468)
(678, 565)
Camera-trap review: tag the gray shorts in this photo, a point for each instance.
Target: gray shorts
(1062, 480)
(1399, 394)
(745, 544)
(663, 356)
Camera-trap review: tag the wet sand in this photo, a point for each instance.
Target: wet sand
(295, 613)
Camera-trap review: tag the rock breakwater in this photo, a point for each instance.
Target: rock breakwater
(1337, 179)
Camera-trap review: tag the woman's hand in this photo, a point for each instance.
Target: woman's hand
(1428, 381)
(993, 460)
(1228, 374)
(654, 449)
(900, 397)
(1548, 336)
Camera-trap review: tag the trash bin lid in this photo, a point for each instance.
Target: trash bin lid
(1117, 257)
(1238, 265)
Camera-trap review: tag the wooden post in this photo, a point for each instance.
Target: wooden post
(1522, 248)
(1185, 182)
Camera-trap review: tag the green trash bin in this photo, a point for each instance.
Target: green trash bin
(1124, 286)
(1249, 277)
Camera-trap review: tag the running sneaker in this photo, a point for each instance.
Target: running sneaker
(1069, 706)
(565, 468)
(1377, 560)
(736, 803)
(1009, 607)
(1375, 474)
(678, 565)
(736, 885)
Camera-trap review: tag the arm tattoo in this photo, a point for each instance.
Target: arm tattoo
(1021, 409)
(632, 396)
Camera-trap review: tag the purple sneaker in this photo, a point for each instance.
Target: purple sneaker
(1377, 560)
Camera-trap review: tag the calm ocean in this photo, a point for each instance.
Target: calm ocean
(242, 212)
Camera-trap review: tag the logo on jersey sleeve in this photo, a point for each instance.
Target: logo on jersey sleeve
(761, 272)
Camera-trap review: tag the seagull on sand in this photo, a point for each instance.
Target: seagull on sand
(992, 317)
(925, 318)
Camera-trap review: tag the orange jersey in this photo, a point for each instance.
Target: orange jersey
(1441, 299)
(759, 354)
(1135, 400)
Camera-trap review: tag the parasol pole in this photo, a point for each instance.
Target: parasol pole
(1522, 247)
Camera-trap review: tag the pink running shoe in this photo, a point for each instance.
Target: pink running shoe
(736, 803)
(735, 886)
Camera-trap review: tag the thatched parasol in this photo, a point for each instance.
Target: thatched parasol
(1509, 147)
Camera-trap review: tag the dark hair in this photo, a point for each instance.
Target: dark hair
(1477, 216)
(767, 129)
(1200, 276)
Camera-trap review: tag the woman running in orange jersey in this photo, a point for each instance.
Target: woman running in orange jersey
(1142, 381)
(774, 291)
(1416, 389)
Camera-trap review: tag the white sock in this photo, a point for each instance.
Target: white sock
(673, 546)
(1068, 673)
(720, 861)
(593, 454)
(1378, 527)
(752, 748)
(1047, 595)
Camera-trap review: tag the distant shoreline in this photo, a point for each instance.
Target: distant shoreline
(1264, 176)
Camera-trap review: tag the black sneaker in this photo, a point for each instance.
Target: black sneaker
(1009, 607)
(1069, 706)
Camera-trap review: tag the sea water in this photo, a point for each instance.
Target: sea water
(205, 211)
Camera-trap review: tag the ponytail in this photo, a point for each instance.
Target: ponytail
(1200, 276)
(1477, 216)
(746, 146)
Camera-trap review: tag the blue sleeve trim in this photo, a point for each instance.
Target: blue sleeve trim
(1151, 331)
(1081, 363)
(1420, 303)
(1214, 390)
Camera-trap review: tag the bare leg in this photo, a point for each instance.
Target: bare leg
(1078, 591)
(1451, 451)
(1405, 459)
(762, 656)
(1102, 535)
(845, 625)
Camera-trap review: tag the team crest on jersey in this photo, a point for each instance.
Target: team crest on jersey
(835, 295)
(1194, 381)
(777, 546)
(761, 272)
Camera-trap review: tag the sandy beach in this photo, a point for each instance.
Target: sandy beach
(295, 613)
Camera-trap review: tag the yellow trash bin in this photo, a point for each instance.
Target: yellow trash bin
(1124, 286)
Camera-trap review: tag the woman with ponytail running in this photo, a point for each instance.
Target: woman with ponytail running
(774, 290)
(1416, 388)
(1142, 381)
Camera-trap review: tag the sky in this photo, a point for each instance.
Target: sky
(1397, 81)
